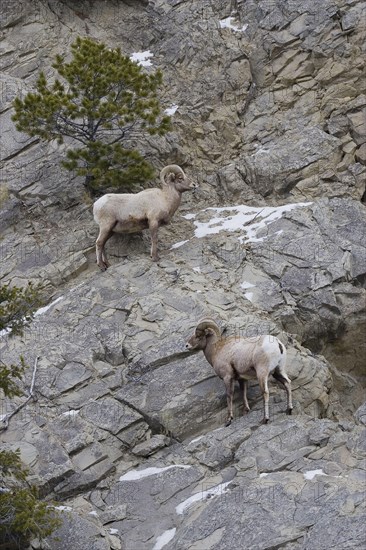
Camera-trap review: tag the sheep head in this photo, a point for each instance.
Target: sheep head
(174, 175)
(205, 328)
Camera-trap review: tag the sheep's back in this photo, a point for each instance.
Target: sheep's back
(123, 205)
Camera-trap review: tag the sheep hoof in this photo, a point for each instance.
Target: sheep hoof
(289, 411)
(228, 422)
(265, 420)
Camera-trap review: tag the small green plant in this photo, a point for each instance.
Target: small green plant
(17, 306)
(4, 194)
(22, 515)
(7, 375)
(106, 103)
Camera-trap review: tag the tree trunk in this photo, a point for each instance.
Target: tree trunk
(89, 180)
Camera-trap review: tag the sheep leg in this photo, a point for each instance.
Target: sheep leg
(263, 384)
(104, 234)
(282, 377)
(243, 384)
(153, 226)
(229, 384)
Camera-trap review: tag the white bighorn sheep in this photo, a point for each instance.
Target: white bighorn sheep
(237, 358)
(148, 209)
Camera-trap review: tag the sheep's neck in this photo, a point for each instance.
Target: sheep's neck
(210, 348)
(174, 199)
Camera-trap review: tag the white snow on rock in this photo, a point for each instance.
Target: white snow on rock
(42, 310)
(71, 413)
(247, 219)
(171, 110)
(229, 23)
(142, 58)
(135, 475)
(312, 473)
(39, 311)
(196, 439)
(163, 539)
(177, 245)
(213, 492)
(248, 295)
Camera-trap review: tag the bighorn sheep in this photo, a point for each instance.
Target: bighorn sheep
(237, 358)
(130, 213)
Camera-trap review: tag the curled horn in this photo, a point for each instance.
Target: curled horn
(170, 168)
(208, 323)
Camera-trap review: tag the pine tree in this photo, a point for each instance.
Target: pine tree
(17, 306)
(104, 102)
(23, 515)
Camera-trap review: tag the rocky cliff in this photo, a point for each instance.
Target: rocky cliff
(127, 431)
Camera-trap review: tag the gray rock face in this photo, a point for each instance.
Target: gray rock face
(128, 429)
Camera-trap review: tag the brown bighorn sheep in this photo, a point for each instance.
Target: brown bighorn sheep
(237, 358)
(148, 209)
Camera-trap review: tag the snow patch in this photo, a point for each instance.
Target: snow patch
(214, 491)
(142, 58)
(93, 513)
(246, 284)
(189, 216)
(197, 269)
(43, 310)
(177, 245)
(113, 531)
(171, 110)
(264, 474)
(242, 218)
(262, 151)
(39, 311)
(228, 23)
(63, 508)
(72, 413)
(196, 439)
(312, 473)
(163, 539)
(135, 475)
(249, 296)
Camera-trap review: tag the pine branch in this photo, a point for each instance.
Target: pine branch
(7, 417)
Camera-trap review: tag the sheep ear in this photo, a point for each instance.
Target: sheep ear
(209, 331)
